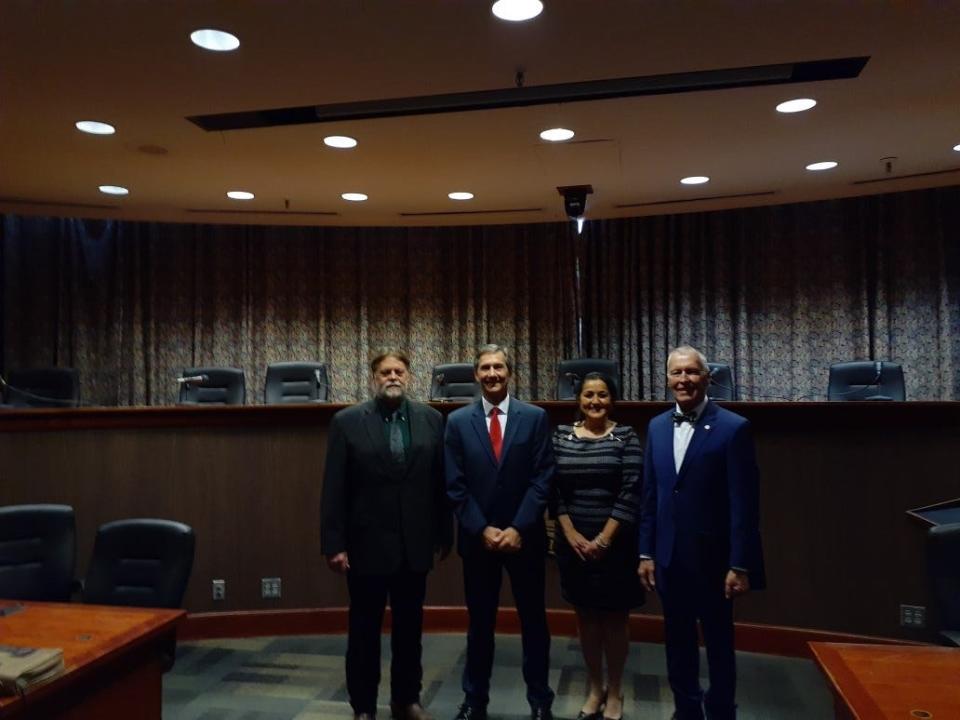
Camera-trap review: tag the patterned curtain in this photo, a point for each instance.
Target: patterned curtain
(131, 304)
(782, 292)
(778, 292)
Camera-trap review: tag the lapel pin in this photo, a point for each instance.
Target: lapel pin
(706, 427)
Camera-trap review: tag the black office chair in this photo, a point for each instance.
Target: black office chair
(571, 372)
(43, 387)
(296, 382)
(453, 381)
(212, 386)
(866, 380)
(943, 571)
(140, 563)
(721, 382)
(37, 551)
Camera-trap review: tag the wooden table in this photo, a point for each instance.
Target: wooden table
(114, 659)
(875, 682)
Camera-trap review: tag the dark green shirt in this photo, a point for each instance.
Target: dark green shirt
(403, 418)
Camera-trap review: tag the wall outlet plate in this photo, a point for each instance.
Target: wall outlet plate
(270, 587)
(219, 589)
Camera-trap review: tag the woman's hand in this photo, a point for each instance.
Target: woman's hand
(580, 545)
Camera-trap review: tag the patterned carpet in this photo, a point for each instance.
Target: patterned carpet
(301, 678)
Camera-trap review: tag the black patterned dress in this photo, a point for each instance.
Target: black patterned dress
(599, 478)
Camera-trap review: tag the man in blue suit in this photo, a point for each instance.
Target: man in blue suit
(699, 533)
(499, 466)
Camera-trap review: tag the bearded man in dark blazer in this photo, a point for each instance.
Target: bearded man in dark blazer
(699, 535)
(383, 516)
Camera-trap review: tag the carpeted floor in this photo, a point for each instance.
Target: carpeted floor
(301, 678)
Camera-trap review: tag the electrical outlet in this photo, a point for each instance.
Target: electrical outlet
(270, 587)
(913, 616)
(219, 589)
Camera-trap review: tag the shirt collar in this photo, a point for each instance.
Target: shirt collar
(386, 411)
(697, 412)
(488, 406)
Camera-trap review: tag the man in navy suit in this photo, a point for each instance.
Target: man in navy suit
(699, 533)
(499, 466)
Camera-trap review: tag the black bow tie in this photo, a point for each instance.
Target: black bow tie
(679, 417)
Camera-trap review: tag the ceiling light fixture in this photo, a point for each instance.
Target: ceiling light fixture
(796, 105)
(557, 134)
(240, 195)
(957, 147)
(825, 165)
(216, 40)
(354, 196)
(114, 190)
(695, 180)
(341, 142)
(95, 127)
(460, 195)
(517, 10)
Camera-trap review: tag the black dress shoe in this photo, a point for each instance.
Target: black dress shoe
(468, 712)
(541, 713)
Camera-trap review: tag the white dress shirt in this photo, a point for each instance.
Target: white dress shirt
(683, 434)
(503, 406)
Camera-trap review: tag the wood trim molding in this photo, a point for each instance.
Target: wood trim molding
(765, 639)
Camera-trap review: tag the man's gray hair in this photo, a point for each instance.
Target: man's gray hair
(493, 348)
(689, 350)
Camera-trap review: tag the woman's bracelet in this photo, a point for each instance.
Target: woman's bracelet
(601, 542)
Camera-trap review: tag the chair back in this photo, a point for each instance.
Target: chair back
(571, 372)
(43, 387)
(943, 572)
(453, 381)
(721, 382)
(296, 382)
(141, 562)
(37, 552)
(866, 380)
(220, 386)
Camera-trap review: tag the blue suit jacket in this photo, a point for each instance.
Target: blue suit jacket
(707, 514)
(511, 493)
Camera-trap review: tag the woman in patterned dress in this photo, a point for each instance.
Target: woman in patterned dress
(596, 498)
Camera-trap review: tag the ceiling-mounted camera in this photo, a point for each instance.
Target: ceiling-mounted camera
(575, 199)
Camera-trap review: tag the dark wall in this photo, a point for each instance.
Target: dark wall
(836, 480)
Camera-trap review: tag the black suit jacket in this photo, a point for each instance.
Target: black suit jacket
(385, 515)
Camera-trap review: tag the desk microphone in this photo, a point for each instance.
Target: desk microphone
(193, 379)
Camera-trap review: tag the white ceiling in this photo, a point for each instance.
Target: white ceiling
(130, 63)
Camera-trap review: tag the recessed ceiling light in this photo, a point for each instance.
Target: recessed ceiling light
(95, 127)
(517, 10)
(354, 197)
(796, 105)
(556, 134)
(957, 148)
(114, 190)
(461, 195)
(825, 165)
(240, 195)
(695, 180)
(216, 40)
(343, 142)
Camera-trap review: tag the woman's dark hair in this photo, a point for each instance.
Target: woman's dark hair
(602, 377)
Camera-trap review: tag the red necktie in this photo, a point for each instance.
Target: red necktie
(496, 433)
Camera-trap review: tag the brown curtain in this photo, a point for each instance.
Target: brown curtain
(782, 292)
(778, 292)
(131, 304)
